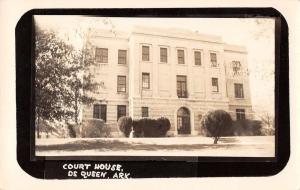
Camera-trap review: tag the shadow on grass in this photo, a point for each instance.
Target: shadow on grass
(115, 145)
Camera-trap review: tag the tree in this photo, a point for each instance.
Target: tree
(215, 123)
(62, 82)
(51, 73)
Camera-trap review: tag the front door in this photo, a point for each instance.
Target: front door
(183, 121)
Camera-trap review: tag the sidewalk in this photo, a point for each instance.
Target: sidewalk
(254, 146)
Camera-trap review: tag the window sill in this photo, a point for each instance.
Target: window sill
(164, 63)
(239, 98)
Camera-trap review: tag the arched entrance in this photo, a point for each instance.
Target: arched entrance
(183, 121)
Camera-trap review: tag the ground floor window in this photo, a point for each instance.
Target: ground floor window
(240, 114)
(121, 111)
(99, 111)
(145, 112)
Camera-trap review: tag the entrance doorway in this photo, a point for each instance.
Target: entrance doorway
(183, 121)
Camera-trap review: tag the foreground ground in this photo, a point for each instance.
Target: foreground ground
(254, 146)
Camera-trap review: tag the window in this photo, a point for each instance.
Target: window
(215, 85)
(236, 67)
(145, 112)
(213, 59)
(180, 55)
(163, 55)
(121, 111)
(197, 57)
(101, 55)
(121, 84)
(238, 90)
(122, 57)
(181, 86)
(240, 114)
(100, 111)
(145, 80)
(145, 53)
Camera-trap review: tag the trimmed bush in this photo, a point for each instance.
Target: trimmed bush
(93, 128)
(247, 128)
(216, 123)
(125, 125)
(165, 125)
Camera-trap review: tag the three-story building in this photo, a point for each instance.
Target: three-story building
(173, 73)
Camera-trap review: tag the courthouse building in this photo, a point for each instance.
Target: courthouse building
(173, 73)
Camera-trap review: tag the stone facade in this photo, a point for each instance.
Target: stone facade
(214, 76)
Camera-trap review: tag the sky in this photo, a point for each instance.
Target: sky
(257, 34)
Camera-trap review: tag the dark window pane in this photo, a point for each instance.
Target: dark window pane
(197, 58)
(121, 84)
(121, 111)
(145, 80)
(163, 55)
(240, 114)
(215, 85)
(181, 86)
(145, 112)
(122, 56)
(99, 111)
(101, 55)
(238, 90)
(213, 59)
(145, 53)
(180, 55)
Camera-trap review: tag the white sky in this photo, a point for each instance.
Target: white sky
(258, 37)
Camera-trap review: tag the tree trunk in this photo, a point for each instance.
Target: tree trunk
(216, 140)
(38, 127)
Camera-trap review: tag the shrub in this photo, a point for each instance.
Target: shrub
(147, 127)
(125, 125)
(93, 128)
(216, 123)
(247, 127)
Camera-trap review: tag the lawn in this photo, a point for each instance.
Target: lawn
(254, 146)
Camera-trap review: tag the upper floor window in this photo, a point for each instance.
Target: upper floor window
(101, 55)
(99, 111)
(146, 80)
(236, 67)
(213, 59)
(121, 84)
(180, 56)
(181, 86)
(121, 111)
(145, 53)
(238, 90)
(240, 114)
(215, 84)
(163, 55)
(197, 55)
(122, 57)
(145, 112)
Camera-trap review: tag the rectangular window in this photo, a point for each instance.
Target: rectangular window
(145, 53)
(145, 112)
(213, 59)
(181, 86)
(180, 56)
(121, 111)
(146, 80)
(122, 57)
(215, 85)
(99, 111)
(240, 114)
(121, 84)
(163, 55)
(197, 58)
(101, 55)
(238, 90)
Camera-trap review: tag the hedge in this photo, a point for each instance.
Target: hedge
(125, 125)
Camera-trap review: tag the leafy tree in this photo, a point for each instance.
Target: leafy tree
(215, 123)
(62, 82)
